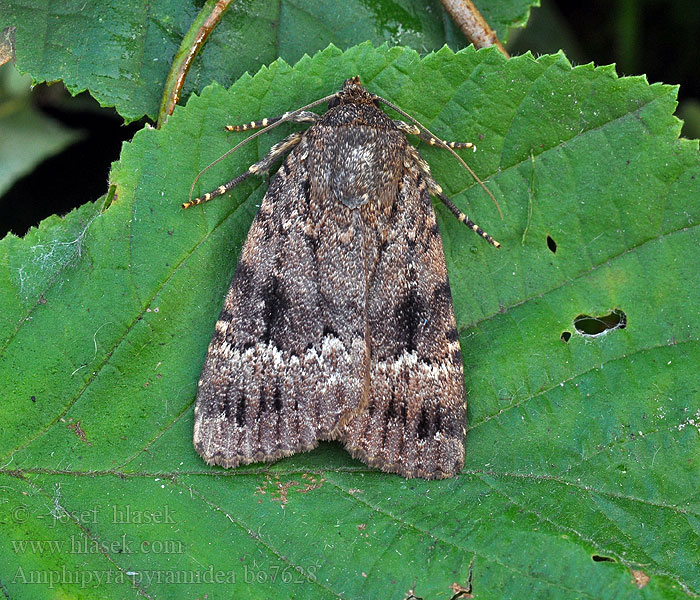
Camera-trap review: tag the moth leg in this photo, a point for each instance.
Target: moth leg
(305, 116)
(435, 189)
(276, 152)
(412, 129)
(262, 166)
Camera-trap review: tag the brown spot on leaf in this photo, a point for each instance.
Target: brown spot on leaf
(460, 591)
(640, 578)
(312, 483)
(280, 489)
(78, 430)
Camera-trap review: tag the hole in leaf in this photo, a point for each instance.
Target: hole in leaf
(592, 326)
(566, 336)
(551, 244)
(599, 558)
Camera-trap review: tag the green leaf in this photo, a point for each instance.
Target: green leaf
(27, 137)
(583, 457)
(121, 51)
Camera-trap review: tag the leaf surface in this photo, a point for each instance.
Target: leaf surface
(582, 457)
(122, 50)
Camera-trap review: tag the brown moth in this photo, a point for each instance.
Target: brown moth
(339, 324)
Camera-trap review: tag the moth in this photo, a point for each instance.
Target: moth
(339, 324)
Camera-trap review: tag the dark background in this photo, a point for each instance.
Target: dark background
(658, 38)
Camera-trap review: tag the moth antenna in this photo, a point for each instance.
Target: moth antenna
(459, 158)
(284, 119)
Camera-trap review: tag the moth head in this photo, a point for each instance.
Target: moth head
(353, 92)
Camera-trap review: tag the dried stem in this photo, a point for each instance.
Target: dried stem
(472, 24)
(192, 43)
(7, 45)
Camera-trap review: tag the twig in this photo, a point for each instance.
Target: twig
(472, 24)
(7, 45)
(191, 44)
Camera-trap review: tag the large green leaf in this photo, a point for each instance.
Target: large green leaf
(121, 51)
(575, 450)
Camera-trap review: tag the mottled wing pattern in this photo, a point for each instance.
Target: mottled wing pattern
(288, 357)
(339, 322)
(414, 421)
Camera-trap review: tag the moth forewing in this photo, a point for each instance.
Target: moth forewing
(339, 323)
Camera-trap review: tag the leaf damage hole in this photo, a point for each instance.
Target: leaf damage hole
(594, 326)
(566, 336)
(551, 244)
(599, 558)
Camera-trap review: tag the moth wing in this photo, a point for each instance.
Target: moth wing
(288, 359)
(414, 421)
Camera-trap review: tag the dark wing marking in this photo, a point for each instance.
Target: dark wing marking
(288, 360)
(414, 421)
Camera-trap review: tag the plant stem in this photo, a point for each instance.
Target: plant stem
(192, 43)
